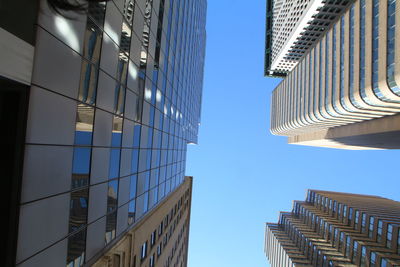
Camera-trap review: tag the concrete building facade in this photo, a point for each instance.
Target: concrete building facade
(160, 239)
(336, 229)
(99, 106)
(293, 27)
(344, 92)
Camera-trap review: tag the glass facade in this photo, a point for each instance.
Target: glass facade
(135, 76)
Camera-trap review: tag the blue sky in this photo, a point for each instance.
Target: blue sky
(243, 175)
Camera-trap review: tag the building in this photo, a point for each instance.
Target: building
(99, 107)
(336, 229)
(343, 92)
(293, 27)
(160, 238)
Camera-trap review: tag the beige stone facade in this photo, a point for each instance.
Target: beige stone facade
(336, 229)
(350, 76)
(160, 239)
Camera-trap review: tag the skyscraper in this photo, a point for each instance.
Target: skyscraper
(336, 229)
(293, 27)
(343, 92)
(159, 239)
(99, 108)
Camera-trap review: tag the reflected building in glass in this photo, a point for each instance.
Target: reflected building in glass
(343, 91)
(105, 103)
(336, 229)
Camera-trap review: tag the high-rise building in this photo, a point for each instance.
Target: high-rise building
(98, 108)
(159, 239)
(293, 27)
(344, 92)
(336, 229)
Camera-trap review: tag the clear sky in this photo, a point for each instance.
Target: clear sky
(243, 175)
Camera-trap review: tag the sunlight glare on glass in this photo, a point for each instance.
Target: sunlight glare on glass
(67, 32)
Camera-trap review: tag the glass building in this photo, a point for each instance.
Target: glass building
(336, 229)
(100, 108)
(343, 92)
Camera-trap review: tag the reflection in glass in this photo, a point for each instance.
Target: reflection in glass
(80, 167)
(132, 188)
(115, 155)
(88, 83)
(84, 125)
(135, 161)
(129, 10)
(131, 212)
(116, 138)
(89, 70)
(136, 135)
(96, 11)
(112, 196)
(78, 209)
(119, 98)
(76, 249)
(111, 223)
(92, 42)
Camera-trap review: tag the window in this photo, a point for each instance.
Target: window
(355, 251)
(334, 208)
(389, 236)
(371, 226)
(335, 236)
(384, 262)
(380, 228)
(341, 240)
(363, 262)
(398, 241)
(143, 252)
(391, 42)
(159, 249)
(160, 228)
(348, 240)
(357, 219)
(350, 216)
(152, 260)
(153, 238)
(372, 262)
(363, 222)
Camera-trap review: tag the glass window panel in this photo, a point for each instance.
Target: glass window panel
(389, 236)
(115, 155)
(135, 161)
(372, 262)
(132, 188)
(131, 212)
(111, 224)
(136, 135)
(96, 11)
(112, 196)
(116, 138)
(84, 125)
(80, 167)
(88, 83)
(119, 98)
(78, 209)
(76, 249)
(380, 228)
(92, 42)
